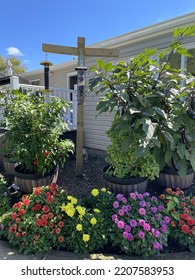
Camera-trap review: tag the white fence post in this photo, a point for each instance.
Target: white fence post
(14, 82)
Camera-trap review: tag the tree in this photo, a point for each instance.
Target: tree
(18, 66)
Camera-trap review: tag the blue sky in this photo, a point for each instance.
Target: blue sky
(26, 24)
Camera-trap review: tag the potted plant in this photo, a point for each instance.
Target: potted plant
(154, 103)
(35, 127)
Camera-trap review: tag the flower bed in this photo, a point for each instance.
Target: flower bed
(140, 224)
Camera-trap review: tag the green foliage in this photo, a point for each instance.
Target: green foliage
(34, 127)
(4, 197)
(18, 66)
(154, 101)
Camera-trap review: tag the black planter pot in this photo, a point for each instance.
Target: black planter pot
(169, 178)
(27, 182)
(125, 185)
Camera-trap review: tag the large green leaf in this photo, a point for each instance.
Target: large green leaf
(160, 112)
(181, 150)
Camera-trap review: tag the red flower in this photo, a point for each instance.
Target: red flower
(186, 216)
(53, 187)
(185, 228)
(17, 220)
(44, 217)
(35, 162)
(173, 224)
(51, 225)
(24, 233)
(183, 204)
(43, 223)
(46, 153)
(21, 212)
(61, 224)
(17, 234)
(26, 201)
(11, 229)
(14, 216)
(181, 223)
(190, 222)
(38, 222)
(46, 209)
(37, 190)
(38, 207)
(61, 239)
(50, 215)
(50, 199)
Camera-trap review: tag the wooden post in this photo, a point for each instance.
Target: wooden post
(80, 105)
(81, 52)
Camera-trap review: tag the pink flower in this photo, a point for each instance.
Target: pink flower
(133, 223)
(115, 204)
(141, 234)
(120, 224)
(142, 211)
(133, 195)
(146, 227)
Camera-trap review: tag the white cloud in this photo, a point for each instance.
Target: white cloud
(14, 51)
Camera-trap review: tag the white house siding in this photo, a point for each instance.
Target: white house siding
(157, 36)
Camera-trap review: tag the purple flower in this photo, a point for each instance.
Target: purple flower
(155, 232)
(124, 199)
(127, 228)
(115, 204)
(141, 222)
(114, 217)
(133, 195)
(141, 234)
(119, 196)
(142, 203)
(140, 196)
(147, 204)
(5, 193)
(120, 224)
(125, 208)
(161, 208)
(146, 194)
(163, 228)
(121, 212)
(166, 219)
(153, 209)
(125, 235)
(146, 227)
(133, 223)
(128, 208)
(130, 237)
(142, 211)
(153, 198)
(158, 216)
(156, 245)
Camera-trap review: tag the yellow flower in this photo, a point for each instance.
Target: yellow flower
(69, 209)
(96, 210)
(69, 197)
(86, 237)
(95, 192)
(93, 221)
(63, 208)
(103, 189)
(79, 227)
(73, 200)
(80, 210)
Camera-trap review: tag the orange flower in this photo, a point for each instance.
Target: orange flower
(162, 196)
(169, 190)
(58, 230)
(61, 239)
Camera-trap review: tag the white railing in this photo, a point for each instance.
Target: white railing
(69, 95)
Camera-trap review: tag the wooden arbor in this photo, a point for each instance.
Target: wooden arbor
(81, 51)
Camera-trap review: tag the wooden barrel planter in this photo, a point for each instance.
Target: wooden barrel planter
(9, 166)
(26, 182)
(126, 185)
(169, 178)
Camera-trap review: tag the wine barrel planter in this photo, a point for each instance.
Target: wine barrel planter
(169, 178)
(126, 185)
(26, 182)
(9, 166)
